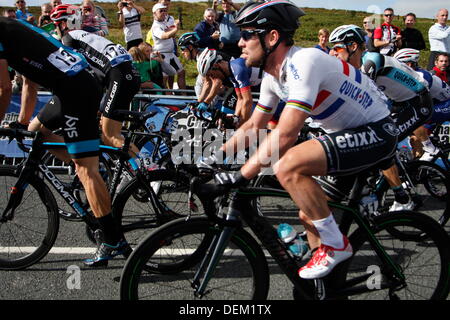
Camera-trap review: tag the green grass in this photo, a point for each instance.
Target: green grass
(306, 36)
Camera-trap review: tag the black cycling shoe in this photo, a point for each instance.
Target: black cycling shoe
(106, 252)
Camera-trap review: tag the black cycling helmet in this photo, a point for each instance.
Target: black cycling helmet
(188, 38)
(281, 15)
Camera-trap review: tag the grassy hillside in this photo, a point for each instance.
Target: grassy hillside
(306, 36)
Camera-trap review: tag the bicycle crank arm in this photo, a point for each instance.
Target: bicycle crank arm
(13, 203)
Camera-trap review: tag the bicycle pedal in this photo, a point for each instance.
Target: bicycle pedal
(69, 216)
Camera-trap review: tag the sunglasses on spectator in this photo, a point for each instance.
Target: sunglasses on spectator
(88, 9)
(388, 15)
(340, 47)
(248, 34)
(162, 10)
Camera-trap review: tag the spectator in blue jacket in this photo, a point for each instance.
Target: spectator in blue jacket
(208, 30)
(22, 12)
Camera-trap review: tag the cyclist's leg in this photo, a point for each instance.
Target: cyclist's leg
(124, 83)
(47, 120)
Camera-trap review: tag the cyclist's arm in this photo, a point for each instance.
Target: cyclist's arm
(277, 142)
(206, 87)
(244, 104)
(5, 88)
(250, 128)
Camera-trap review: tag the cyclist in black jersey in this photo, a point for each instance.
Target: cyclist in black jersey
(121, 81)
(39, 57)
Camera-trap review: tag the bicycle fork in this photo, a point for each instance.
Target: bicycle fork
(213, 256)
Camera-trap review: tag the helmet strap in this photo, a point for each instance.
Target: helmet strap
(267, 51)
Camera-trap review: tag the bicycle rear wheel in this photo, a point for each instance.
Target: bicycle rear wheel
(31, 233)
(162, 267)
(424, 261)
(138, 215)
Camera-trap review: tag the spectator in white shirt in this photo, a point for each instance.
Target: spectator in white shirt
(439, 36)
(130, 19)
(163, 31)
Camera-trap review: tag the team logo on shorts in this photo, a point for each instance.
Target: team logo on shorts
(391, 129)
(424, 111)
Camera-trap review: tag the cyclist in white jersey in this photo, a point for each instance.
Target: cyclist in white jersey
(399, 82)
(336, 95)
(440, 92)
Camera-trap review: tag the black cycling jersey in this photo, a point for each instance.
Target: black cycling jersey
(36, 54)
(41, 58)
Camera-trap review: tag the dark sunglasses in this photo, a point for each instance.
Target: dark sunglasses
(388, 15)
(248, 34)
(87, 9)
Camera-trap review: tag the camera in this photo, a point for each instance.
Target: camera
(125, 4)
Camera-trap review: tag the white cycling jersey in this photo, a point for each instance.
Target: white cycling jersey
(336, 95)
(99, 51)
(398, 81)
(439, 90)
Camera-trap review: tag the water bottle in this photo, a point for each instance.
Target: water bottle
(292, 239)
(369, 204)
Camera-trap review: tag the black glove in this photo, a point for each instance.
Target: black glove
(231, 179)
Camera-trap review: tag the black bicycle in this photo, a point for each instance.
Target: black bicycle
(29, 218)
(398, 255)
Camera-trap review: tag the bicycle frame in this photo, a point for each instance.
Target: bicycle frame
(241, 207)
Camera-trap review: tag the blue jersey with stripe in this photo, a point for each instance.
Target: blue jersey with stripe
(242, 76)
(36, 54)
(336, 95)
(398, 81)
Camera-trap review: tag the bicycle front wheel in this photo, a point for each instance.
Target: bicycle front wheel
(163, 266)
(420, 249)
(30, 234)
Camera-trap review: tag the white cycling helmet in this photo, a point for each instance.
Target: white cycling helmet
(206, 60)
(407, 55)
(348, 33)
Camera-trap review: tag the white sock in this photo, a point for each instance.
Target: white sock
(329, 232)
(428, 146)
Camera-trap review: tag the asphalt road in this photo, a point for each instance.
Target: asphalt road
(61, 275)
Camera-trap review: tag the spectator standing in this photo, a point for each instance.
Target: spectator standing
(387, 37)
(230, 34)
(440, 68)
(163, 34)
(369, 28)
(324, 36)
(91, 22)
(44, 18)
(130, 19)
(22, 12)
(439, 37)
(55, 3)
(411, 37)
(208, 30)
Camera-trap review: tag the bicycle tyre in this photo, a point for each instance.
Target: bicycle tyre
(139, 215)
(147, 274)
(409, 252)
(30, 235)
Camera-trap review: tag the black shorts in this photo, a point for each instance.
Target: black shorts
(354, 150)
(123, 82)
(74, 109)
(411, 114)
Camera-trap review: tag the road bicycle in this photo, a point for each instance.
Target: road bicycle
(29, 219)
(401, 255)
